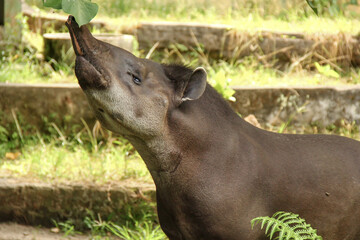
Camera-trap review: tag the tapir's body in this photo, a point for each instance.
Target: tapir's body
(213, 171)
(233, 172)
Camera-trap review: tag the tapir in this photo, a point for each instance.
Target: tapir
(213, 171)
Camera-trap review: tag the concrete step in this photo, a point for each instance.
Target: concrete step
(36, 204)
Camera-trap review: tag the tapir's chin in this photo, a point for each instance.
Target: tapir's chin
(114, 124)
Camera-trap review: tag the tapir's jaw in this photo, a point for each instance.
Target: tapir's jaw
(89, 51)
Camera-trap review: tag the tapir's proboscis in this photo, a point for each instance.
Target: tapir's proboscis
(213, 171)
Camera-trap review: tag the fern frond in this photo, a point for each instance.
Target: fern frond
(286, 226)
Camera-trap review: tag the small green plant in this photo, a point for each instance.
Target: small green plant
(82, 10)
(326, 70)
(286, 226)
(221, 83)
(67, 228)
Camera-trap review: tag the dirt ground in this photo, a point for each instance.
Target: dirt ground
(14, 231)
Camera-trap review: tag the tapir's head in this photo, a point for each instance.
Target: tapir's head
(130, 95)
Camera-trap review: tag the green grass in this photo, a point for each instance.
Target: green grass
(247, 72)
(250, 73)
(79, 156)
(21, 71)
(138, 223)
(52, 162)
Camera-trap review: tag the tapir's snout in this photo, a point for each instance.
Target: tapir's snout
(98, 64)
(83, 42)
(90, 55)
(75, 32)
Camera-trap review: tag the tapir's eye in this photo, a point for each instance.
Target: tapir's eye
(135, 79)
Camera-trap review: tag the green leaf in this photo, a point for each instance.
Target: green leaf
(3, 130)
(82, 10)
(286, 226)
(326, 70)
(275, 228)
(56, 4)
(312, 6)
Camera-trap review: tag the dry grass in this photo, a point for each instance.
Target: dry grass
(296, 50)
(336, 50)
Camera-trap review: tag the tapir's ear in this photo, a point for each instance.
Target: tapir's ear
(195, 86)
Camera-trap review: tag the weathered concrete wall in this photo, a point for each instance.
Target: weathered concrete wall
(304, 105)
(321, 105)
(226, 41)
(208, 35)
(33, 102)
(38, 203)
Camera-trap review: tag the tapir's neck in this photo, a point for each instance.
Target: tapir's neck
(195, 130)
(160, 154)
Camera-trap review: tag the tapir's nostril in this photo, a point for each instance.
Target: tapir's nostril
(101, 110)
(70, 20)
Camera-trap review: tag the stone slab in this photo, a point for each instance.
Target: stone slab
(35, 203)
(33, 102)
(190, 34)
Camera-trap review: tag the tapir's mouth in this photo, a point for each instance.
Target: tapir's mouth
(88, 69)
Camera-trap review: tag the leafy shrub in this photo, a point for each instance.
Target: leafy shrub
(331, 7)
